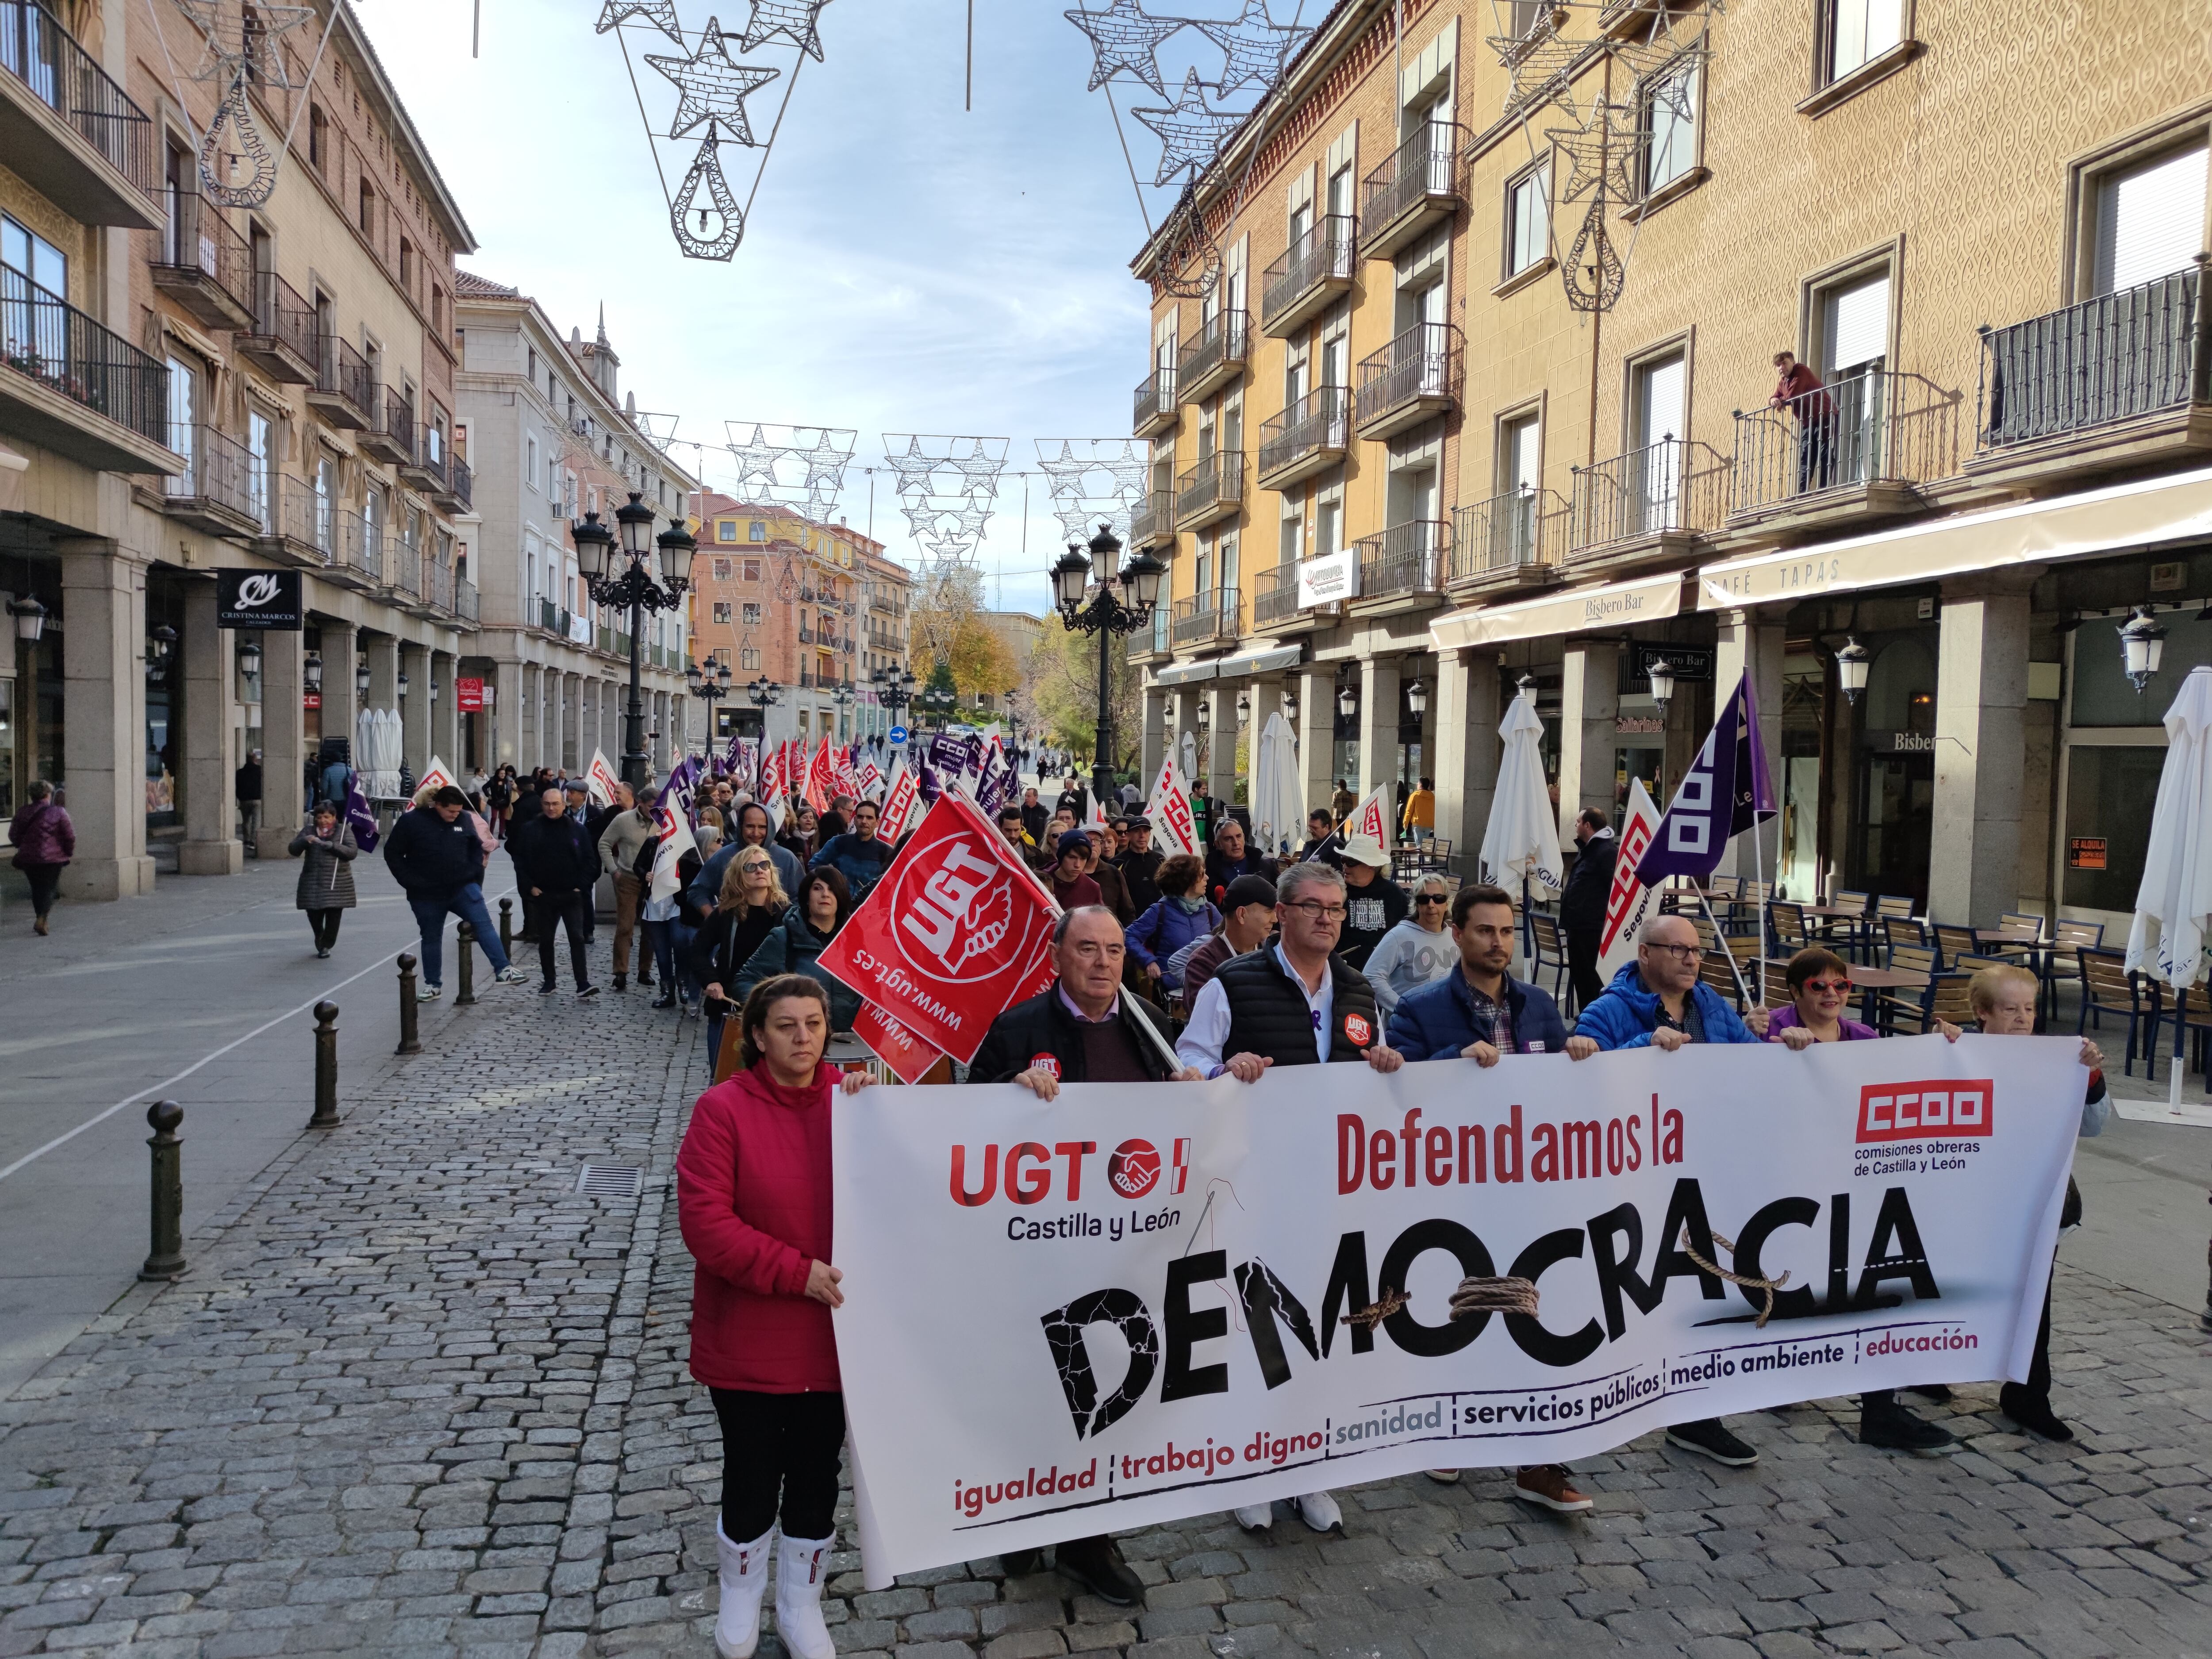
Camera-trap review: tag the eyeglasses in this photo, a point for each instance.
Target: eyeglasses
(1429, 898)
(1834, 987)
(1680, 952)
(1319, 911)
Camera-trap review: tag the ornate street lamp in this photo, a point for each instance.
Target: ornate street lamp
(1852, 660)
(1660, 673)
(311, 672)
(30, 618)
(2143, 643)
(765, 694)
(633, 588)
(1120, 603)
(1417, 698)
(1244, 708)
(1291, 704)
(1347, 700)
(160, 645)
(249, 660)
(361, 679)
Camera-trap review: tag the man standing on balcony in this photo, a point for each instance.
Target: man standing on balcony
(1800, 392)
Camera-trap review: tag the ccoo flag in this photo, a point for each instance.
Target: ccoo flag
(1725, 793)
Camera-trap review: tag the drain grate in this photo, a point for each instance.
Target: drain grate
(610, 1181)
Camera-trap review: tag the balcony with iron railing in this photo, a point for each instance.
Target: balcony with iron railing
(361, 548)
(468, 606)
(551, 618)
(343, 391)
(218, 491)
(1414, 379)
(68, 131)
(1860, 447)
(438, 589)
(425, 469)
(71, 385)
(1414, 191)
(403, 569)
(1204, 619)
(281, 341)
(392, 439)
(1153, 641)
(1515, 537)
(460, 485)
(1152, 521)
(1275, 597)
(1214, 357)
(203, 264)
(1315, 268)
(1212, 489)
(1311, 435)
(2108, 374)
(1405, 566)
(301, 524)
(1157, 411)
(1657, 499)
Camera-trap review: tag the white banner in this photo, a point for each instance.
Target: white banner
(1328, 580)
(1133, 1305)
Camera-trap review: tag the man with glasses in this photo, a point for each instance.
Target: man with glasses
(1658, 1001)
(1293, 1004)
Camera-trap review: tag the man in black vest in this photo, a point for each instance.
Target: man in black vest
(1082, 1030)
(1292, 1003)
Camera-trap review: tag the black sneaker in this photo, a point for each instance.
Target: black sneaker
(1095, 1564)
(2032, 1411)
(587, 990)
(1889, 1425)
(548, 988)
(1710, 1438)
(1935, 1392)
(668, 1001)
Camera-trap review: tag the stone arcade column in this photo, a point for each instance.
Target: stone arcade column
(1590, 709)
(416, 742)
(210, 846)
(1317, 734)
(104, 725)
(1468, 750)
(1981, 701)
(1378, 729)
(1220, 702)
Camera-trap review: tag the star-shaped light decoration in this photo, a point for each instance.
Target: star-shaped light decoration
(713, 85)
(1131, 470)
(1126, 41)
(914, 468)
(1066, 470)
(825, 463)
(661, 14)
(756, 459)
(1257, 49)
(980, 469)
(1190, 134)
(797, 21)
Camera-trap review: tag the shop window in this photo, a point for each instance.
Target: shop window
(2111, 793)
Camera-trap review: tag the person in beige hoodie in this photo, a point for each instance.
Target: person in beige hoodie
(627, 834)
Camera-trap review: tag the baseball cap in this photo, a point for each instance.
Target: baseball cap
(1248, 889)
(1139, 821)
(1366, 849)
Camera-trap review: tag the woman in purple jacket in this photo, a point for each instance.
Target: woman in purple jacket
(45, 840)
(1820, 984)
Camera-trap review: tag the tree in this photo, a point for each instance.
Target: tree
(1062, 686)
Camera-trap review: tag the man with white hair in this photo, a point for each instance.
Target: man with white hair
(1294, 1003)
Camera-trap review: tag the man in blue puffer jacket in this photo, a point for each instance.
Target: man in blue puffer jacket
(1478, 1009)
(1658, 1001)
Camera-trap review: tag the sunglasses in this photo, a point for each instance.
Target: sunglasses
(1429, 898)
(1829, 986)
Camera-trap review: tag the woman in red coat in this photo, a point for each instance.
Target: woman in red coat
(753, 1194)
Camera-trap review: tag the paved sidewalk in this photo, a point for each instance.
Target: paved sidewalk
(419, 1397)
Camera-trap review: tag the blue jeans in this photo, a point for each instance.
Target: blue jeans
(661, 950)
(466, 902)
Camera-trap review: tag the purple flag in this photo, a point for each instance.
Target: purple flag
(995, 781)
(363, 820)
(949, 752)
(928, 785)
(1725, 793)
(684, 784)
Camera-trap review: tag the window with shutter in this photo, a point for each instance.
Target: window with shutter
(2150, 220)
(1855, 325)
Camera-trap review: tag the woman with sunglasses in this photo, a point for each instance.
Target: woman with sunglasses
(1820, 984)
(749, 907)
(1417, 952)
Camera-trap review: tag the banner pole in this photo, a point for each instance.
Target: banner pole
(1721, 938)
(1759, 885)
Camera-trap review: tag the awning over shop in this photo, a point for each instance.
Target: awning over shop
(1268, 661)
(1183, 673)
(2176, 507)
(1577, 610)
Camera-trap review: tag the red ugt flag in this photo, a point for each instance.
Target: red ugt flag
(819, 782)
(956, 932)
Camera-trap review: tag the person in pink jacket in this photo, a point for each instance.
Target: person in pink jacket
(752, 1185)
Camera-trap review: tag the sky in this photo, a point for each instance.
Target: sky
(908, 266)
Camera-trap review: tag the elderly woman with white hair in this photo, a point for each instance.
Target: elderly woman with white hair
(1417, 952)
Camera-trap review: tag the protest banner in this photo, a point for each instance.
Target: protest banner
(956, 930)
(1169, 810)
(1628, 901)
(1139, 1304)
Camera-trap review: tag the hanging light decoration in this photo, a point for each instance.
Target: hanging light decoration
(2143, 643)
(1660, 673)
(1417, 697)
(1851, 663)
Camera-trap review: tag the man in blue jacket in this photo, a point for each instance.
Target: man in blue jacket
(856, 854)
(1658, 1001)
(1482, 1011)
(434, 853)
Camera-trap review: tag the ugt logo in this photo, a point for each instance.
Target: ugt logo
(956, 921)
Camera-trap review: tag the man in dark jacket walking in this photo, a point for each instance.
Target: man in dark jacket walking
(438, 860)
(246, 788)
(856, 854)
(1481, 1012)
(1081, 1030)
(1582, 905)
(556, 862)
(1138, 861)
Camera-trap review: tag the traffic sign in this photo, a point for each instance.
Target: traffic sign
(898, 734)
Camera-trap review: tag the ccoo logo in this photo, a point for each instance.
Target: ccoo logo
(955, 911)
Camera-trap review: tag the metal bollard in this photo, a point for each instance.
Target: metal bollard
(327, 1067)
(464, 988)
(409, 1043)
(506, 929)
(166, 1259)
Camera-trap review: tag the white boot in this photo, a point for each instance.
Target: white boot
(799, 1570)
(744, 1581)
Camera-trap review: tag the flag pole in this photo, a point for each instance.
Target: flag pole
(1721, 938)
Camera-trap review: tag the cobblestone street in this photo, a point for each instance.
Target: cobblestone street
(420, 1396)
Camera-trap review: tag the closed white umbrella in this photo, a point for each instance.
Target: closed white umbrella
(1278, 796)
(1521, 843)
(2174, 906)
(1190, 759)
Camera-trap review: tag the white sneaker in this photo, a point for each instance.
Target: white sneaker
(1256, 1518)
(744, 1581)
(1319, 1510)
(799, 1576)
(512, 975)
(427, 993)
